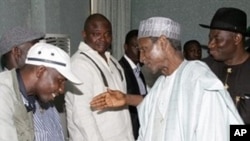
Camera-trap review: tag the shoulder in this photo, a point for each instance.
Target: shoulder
(195, 70)
(6, 78)
(195, 66)
(208, 59)
(7, 94)
(124, 63)
(122, 60)
(198, 72)
(198, 64)
(115, 61)
(83, 61)
(211, 62)
(247, 62)
(4, 73)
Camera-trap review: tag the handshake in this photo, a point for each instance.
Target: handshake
(114, 99)
(108, 99)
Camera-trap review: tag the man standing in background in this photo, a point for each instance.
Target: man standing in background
(192, 50)
(134, 78)
(98, 70)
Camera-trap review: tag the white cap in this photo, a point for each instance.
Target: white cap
(157, 26)
(51, 56)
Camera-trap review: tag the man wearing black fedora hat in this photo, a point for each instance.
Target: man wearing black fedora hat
(228, 59)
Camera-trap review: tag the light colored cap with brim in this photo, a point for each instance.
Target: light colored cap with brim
(17, 36)
(157, 26)
(51, 56)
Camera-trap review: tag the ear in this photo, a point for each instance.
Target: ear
(184, 54)
(164, 42)
(125, 47)
(84, 34)
(238, 38)
(17, 52)
(40, 70)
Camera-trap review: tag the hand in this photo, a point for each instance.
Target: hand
(109, 99)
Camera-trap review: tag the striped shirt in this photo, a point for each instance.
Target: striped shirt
(47, 124)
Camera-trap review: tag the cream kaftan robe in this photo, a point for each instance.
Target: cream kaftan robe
(84, 123)
(199, 108)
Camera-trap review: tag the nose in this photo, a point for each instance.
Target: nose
(142, 57)
(104, 37)
(196, 53)
(211, 44)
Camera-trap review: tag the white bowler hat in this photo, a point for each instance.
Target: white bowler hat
(157, 26)
(51, 56)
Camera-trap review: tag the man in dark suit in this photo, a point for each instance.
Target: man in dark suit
(134, 77)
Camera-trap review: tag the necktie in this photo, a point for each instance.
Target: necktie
(141, 85)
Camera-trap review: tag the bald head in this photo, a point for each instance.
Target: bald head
(97, 33)
(92, 19)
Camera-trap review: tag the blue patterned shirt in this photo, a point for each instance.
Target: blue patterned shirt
(47, 124)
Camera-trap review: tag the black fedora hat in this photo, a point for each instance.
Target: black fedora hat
(230, 19)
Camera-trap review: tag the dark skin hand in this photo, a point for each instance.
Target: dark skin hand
(114, 99)
(108, 99)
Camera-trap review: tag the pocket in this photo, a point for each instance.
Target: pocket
(243, 107)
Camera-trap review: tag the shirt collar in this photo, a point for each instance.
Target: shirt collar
(29, 101)
(131, 63)
(83, 47)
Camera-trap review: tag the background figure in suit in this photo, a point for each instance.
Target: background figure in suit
(134, 77)
(192, 50)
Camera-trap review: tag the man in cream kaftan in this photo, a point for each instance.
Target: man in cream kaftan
(98, 70)
(85, 124)
(188, 105)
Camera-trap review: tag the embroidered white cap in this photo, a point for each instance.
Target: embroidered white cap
(51, 56)
(157, 26)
